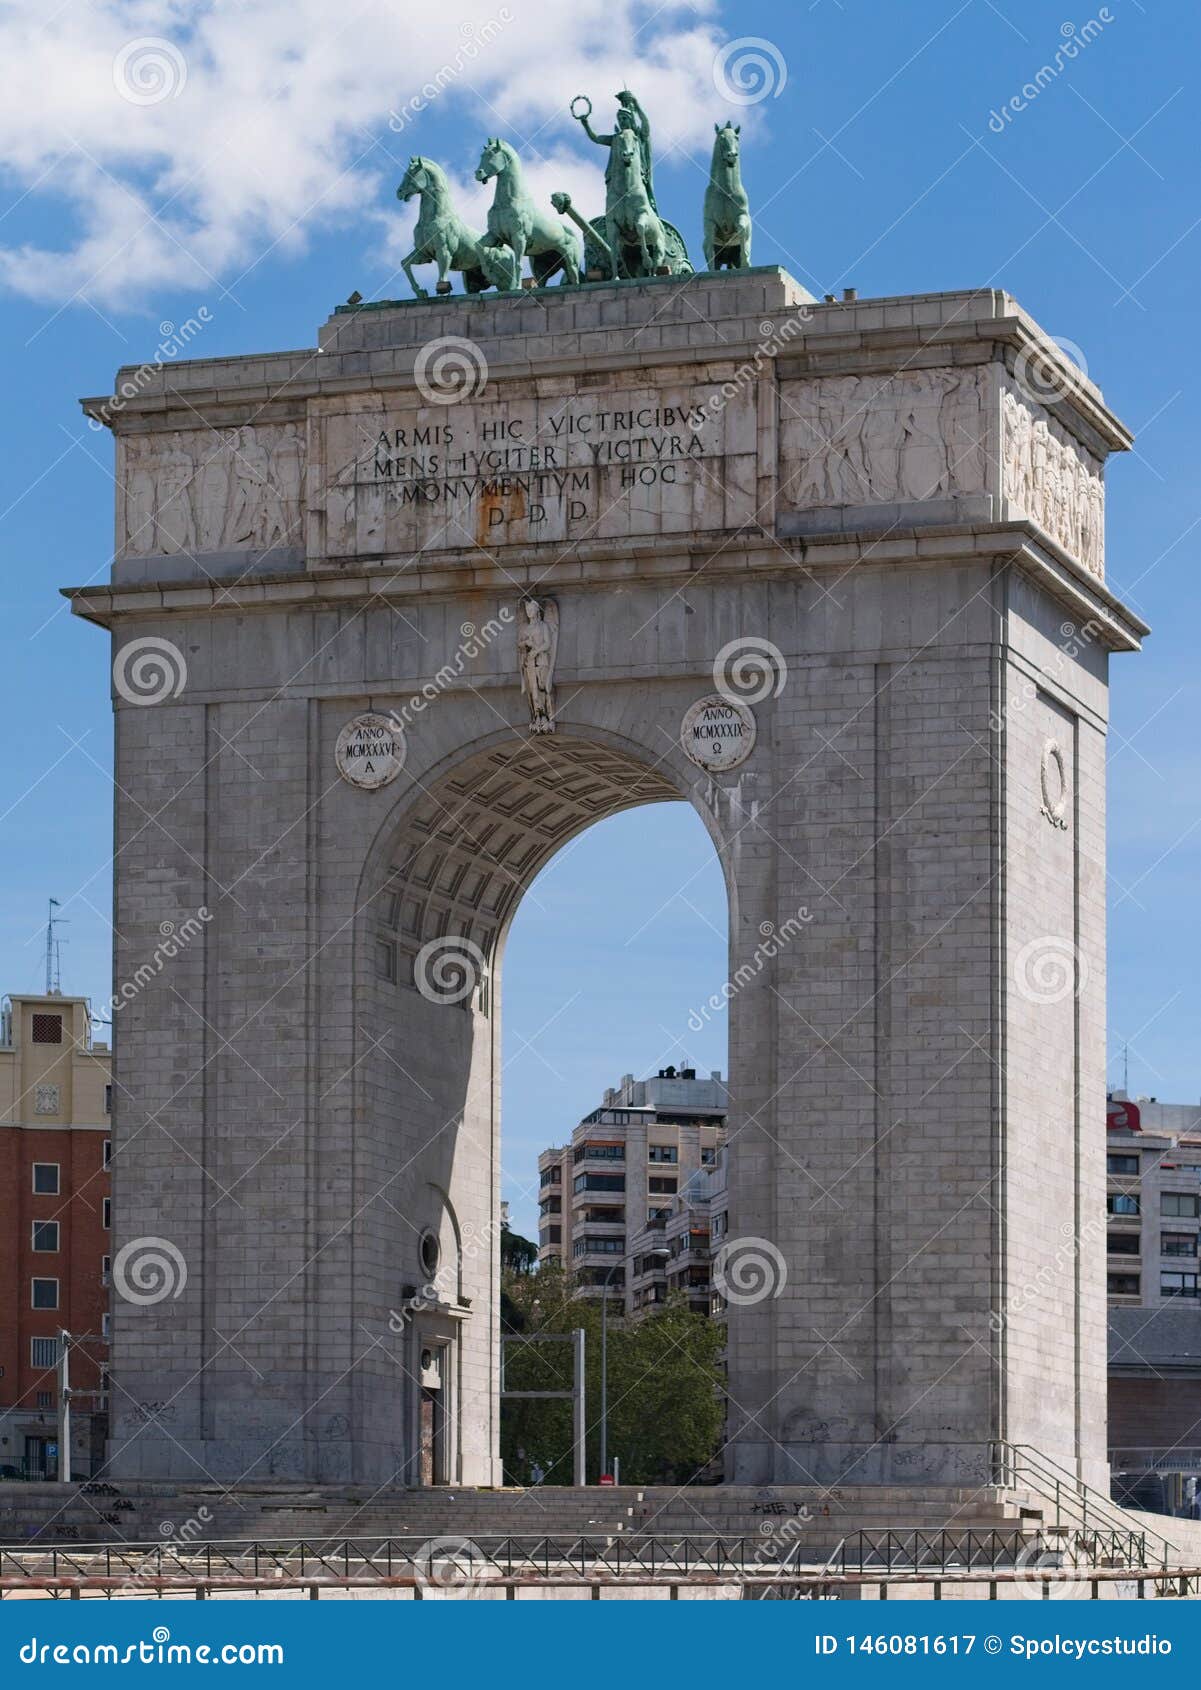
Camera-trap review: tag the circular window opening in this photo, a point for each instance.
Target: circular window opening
(427, 1360)
(431, 1254)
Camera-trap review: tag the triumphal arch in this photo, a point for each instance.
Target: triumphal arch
(393, 619)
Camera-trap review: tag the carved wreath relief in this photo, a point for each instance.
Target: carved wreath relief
(1056, 792)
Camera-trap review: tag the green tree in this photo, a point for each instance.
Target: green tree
(665, 1412)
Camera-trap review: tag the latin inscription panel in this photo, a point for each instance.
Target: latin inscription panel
(609, 464)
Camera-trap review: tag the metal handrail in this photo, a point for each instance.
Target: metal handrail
(1085, 1509)
(943, 1551)
(391, 1556)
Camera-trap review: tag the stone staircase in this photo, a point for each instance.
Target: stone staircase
(772, 1520)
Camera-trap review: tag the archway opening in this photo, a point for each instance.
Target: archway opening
(435, 939)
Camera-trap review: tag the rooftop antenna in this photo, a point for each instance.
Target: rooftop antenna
(51, 923)
(1126, 1067)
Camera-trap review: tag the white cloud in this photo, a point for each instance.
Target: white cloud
(247, 127)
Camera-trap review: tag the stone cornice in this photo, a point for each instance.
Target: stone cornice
(662, 559)
(731, 319)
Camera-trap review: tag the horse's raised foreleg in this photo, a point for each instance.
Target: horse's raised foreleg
(444, 255)
(407, 264)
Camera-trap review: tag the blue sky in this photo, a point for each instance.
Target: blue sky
(261, 187)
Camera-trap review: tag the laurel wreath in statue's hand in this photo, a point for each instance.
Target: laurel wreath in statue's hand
(585, 104)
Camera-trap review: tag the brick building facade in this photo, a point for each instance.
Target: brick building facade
(54, 1232)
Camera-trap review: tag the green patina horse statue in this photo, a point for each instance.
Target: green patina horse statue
(442, 238)
(633, 230)
(517, 225)
(727, 210)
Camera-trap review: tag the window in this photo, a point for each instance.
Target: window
(599, 1152)
(721, 1224)
(599, 1182)
(104, 1324)
(43, 1352)
(1182, 1203)
(106, 1268)
(551, 1176)
(107, 1212)
(662, 1187)
(430, 1252)
(1178, 1284)
(653, 1216)
(589, 1246)
(44, 1294)
(45, 1399)
(1125, 1243)
(1124, 1284)
(108, 1151)
(108, 1109)
(45, 1179)
(663, 1153)
(1178, 1243)
(708, 1158)
(551, 1206)
(616, 1214)
(553, 1234)
(1121, 1164)
(1116, 1204)
(45, 1236)
(47, 1029)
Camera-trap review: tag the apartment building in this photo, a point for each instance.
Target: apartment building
(675, 1252)
(1153, 1201)
(55, 1227)
(622, 1173)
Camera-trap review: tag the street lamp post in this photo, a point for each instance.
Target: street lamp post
(661, 1254)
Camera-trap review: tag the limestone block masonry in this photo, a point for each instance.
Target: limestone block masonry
(906, 533)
